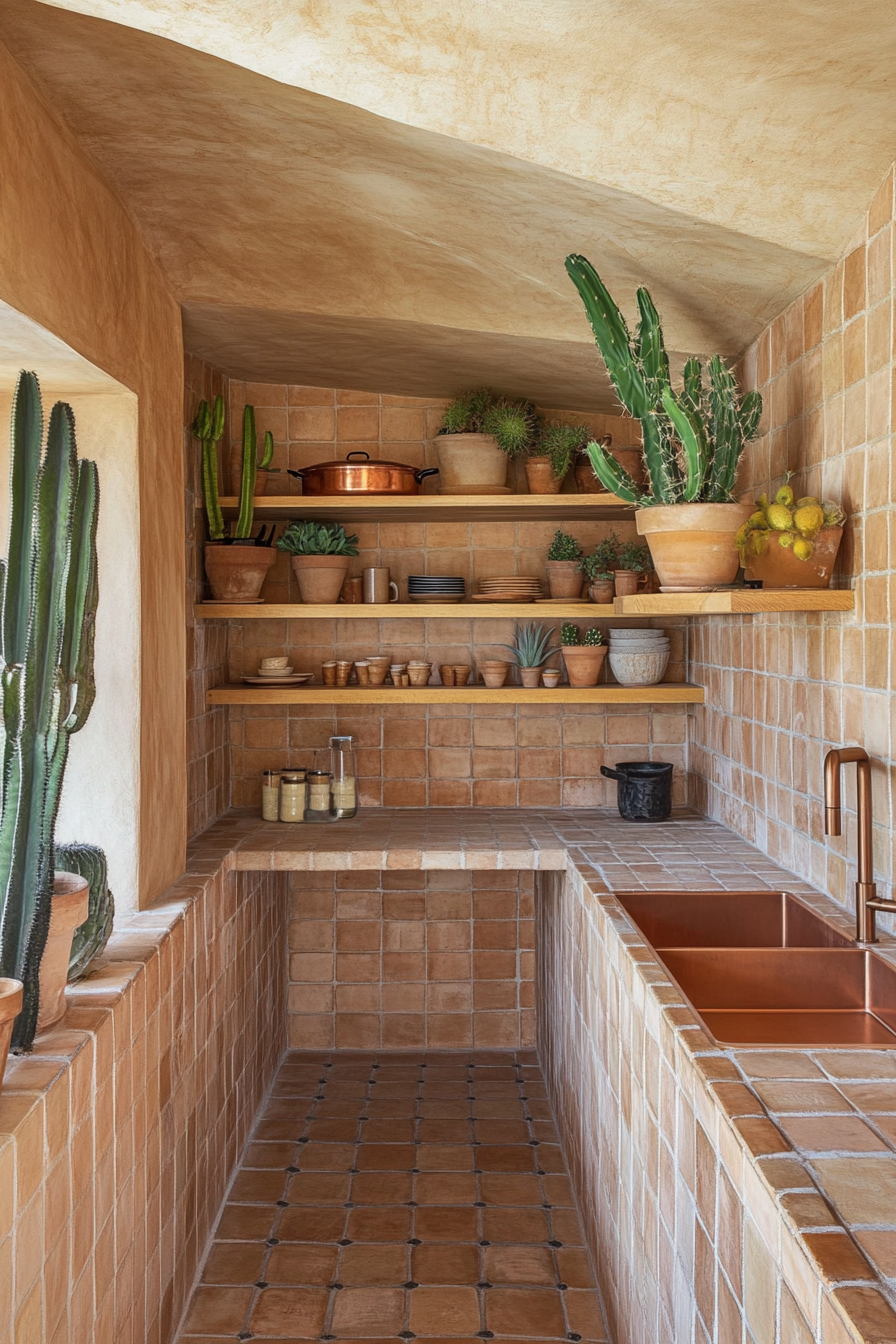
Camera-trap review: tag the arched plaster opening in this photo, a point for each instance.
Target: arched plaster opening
(102, 782)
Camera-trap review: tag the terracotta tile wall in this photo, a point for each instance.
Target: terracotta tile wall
(119, 1134)
(208, 744)
(781, 690)
(407, 960)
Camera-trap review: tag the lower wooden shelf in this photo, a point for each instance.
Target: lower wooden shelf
(675, 693)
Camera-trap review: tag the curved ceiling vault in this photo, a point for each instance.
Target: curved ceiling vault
(381, 195)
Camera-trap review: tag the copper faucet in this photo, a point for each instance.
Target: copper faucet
(867, 901)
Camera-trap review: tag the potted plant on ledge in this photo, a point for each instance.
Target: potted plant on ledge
(480, 433)
(552, 454)
(633, 562)
(530, 650)
(789, 542)
(320, 554)
(582, 659)
(693, 439)
(598, 568)
(236, 565)
(562, 565)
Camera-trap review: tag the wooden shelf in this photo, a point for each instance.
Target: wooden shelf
(362, 611)
(665, 693)
(436, 508)
(736, 601)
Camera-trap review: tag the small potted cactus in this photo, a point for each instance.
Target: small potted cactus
(480, 432)
(530, 650)
(564, 575)
(583, 659)
(789, 542)
(236, 564)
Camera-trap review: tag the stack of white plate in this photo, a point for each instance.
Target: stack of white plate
(509, 588)
(436, 588)
(639, 657)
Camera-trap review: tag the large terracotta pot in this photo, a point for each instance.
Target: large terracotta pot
(540, 476)
(692, 545)
(68, 910)
(583, 663)
(236, 573)
(467, 461)
(564, 578)
(10, 1006)
(320, 577)
(779, 567)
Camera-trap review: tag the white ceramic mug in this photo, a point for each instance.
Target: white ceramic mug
(377, 586)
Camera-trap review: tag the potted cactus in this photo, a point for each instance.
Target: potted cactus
(236, 564)
(564, 575)
(320, 554)
(480, 432)
(48, 603)
(583, 659)
(693, 439)
(530, 650)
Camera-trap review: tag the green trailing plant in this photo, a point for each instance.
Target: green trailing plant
(564, 547)
(310, 538)
(602, 560)
(207, 427)
(693, 438)
(89, 862)
(482, 411)
(635, 556)
(531, 645)
(569, 636)
(48, 601)
(560, 443)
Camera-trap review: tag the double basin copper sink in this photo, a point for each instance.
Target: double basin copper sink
(762, 969)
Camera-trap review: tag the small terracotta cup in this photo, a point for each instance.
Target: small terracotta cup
(343, 671)
(494, 672)
(329, 673)
(397, 671)
(551, 677)
(380, 660)
(376, 674)
(446, 672)
(405, 679)
(462, 673)
(363, 671)
(419, 673)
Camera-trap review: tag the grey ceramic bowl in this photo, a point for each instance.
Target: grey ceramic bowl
(642, 668)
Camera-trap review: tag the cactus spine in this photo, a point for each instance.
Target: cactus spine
(207, 427)
(48, 602)
(693, 439)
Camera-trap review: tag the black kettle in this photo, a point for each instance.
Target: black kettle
(645, 789)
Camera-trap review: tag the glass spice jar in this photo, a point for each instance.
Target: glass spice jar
(293, 795)
(317, 807)
(270, 795)
(343, 779)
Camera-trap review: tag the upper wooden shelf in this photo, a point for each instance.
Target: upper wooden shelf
(436, 508)
(666, 692)
(736, 601)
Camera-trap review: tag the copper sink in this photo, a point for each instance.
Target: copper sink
(762, 969)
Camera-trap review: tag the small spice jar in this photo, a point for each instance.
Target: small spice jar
(293, 791)
(343, 779)
(270, 795)
(317, 807)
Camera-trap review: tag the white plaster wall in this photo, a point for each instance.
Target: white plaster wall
(101, 792)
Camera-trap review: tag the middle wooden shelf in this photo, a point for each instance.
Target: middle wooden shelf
(665, 692)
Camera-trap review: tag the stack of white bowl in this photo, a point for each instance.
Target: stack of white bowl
(639, 657)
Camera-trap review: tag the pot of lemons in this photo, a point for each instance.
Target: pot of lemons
(789, 542)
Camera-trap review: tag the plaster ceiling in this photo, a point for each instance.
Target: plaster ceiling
(382, 194)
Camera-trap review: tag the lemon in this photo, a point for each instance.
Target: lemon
(786, 539)
(809, 520)
(756, 519)
(780, 517)
(803, 549)
(784, 496)
(806, 501)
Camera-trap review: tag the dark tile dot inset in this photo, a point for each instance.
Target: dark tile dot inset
(563, 1287)
(539, 1172)
(415, 1171)
(353, 1171)
(485, 1334)
(414, 1241)
(337, 1285)
(272, 1241)
(304, 1140)
(261, 1284)
(572, 1335)
(485, 1243)
(555, 1243)
(244, 1334)
(483, 1284)
(479, 1204)
(282, 1204)
(411, 1284)
(406, 1334)
(291, 1170)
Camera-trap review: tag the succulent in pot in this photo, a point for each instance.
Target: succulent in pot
(481, 431)
(693, 439)
(320, 554)
(552, 454)
(598, 568)
(236, 563)
(583, 659)
(790, 542)
(530, 650)
(564, 574)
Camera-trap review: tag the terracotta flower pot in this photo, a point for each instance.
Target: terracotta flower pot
(236, 573)
(530, 676)
(564, 578)
(625, 582)
(692, 545)
(540, 477)
(467, 461)
(10, 1006)
(779, 567)
(320, 577)
(494, 672)
(602, 590)
(583, 663)
(71, 897)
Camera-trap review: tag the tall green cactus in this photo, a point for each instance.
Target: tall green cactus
(693, 439)
(207, 427)
(48, 602)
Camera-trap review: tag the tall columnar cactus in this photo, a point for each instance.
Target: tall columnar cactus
(89, 862)
(693, 439)
(207, 427)
(48, 602)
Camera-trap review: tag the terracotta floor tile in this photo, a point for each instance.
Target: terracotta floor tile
(521, 1265)
(377, 1264)
(368, 1312)
(447, 1090)
(558, 1191)
(340, 1108)
(218, 1310)
(433, 1223)
(487, 1109)
(790, 1098)
(237, 1262)
(497, 1188)
(545, 1131)
(392, 1130)
(550, 1158)
(445, 1188)
(506, 1157)
(887, 1126)
(880, 1097)
(502, 1131)
(539, 1110)
(401, 1108)
(527, 1312)
(573, 1267)
(301, 1263)
(584, 1314)
(246, 1222)
(444, 1157)
(837, 1256)
(293, 1111)
(319, 1187)
(881, 1247)
(441, 1263)
(276, 1156)
(444, 1311)
(385, 1157)
(311, 1224)
(566, 1227)
(259, 1187)
(334, 1131)
(326, 1156)
(269, 1131)
(515, 1225)
(832, 1133)
(382, 1187)
(445, 1110)
(444, 1131)
(379, 1223)
(862, 1188)
(498, 1073)
(294, 1313)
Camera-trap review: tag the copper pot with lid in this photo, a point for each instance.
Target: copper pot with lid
(362, 478)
